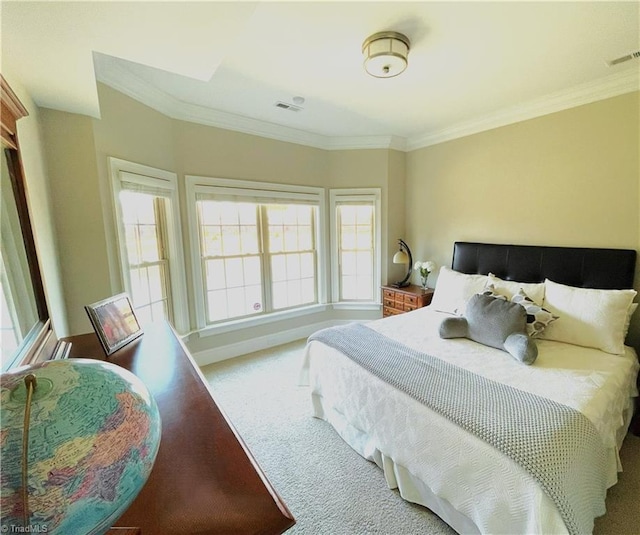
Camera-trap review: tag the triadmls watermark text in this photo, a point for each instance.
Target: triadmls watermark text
(30, 528)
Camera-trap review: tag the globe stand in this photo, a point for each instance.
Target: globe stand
(30, 384)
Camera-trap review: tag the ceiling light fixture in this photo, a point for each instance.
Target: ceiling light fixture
(385, 54)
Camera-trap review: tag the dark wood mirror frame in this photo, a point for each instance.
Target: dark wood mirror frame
(40, 343)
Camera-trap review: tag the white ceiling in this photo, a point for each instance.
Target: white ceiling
(472, 65)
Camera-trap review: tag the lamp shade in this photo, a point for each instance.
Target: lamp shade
(93, 434)
(401, 258)
(385, 54)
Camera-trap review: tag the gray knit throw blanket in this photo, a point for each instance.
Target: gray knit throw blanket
(554, 443)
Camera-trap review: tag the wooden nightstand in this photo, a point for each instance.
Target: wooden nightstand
(399, 300)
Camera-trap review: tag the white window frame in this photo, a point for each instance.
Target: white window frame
(355, 195)
(270, 192)
(122, 170)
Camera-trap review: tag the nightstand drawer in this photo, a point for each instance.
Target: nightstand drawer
(411, 300)
(399, 300)
(388, 294)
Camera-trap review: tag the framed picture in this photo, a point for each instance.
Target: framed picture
(114, 321)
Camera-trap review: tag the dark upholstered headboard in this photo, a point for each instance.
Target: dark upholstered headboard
(609, 269)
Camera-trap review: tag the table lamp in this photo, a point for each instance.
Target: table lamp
(403, 256)
(78, 439)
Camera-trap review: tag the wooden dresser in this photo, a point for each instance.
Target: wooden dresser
(205, 479)
(399, 300)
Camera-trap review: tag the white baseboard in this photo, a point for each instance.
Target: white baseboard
(217, 354)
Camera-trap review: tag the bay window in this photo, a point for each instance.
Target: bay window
(256, 248)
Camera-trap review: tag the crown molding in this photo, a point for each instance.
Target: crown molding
(607, 87)
(124, 81)
(367, 142)
(246, 125)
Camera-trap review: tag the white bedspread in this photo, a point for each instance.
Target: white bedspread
(433, 461)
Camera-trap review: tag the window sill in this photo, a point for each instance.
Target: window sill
(245, 323)
(356, 306)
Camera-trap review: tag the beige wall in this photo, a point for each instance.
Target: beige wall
(77, 207)
(40, 208)
(394, 212)
(571, 178)
(207, 151)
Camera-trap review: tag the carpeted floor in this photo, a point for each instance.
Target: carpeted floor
(328, 487)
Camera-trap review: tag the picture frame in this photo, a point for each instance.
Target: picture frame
(114, 321)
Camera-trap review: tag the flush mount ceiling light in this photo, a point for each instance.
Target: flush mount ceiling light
(385, 54)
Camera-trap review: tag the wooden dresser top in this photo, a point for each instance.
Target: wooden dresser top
(204, 480)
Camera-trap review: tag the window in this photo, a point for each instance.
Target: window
(148, 266)
(292, 254)
(231, 259)
(256, 258)
(257, 248)
(149, 242)
(355, 234)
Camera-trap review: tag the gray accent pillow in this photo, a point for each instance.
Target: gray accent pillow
(495, 323)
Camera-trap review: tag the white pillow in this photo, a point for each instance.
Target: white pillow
(535, 291)
(588, 317)
(632, 309)
(453, 290)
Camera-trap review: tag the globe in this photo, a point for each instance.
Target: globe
(93, 437)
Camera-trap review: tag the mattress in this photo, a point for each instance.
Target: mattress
(433, 462)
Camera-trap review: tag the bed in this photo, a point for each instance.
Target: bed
(582, 366)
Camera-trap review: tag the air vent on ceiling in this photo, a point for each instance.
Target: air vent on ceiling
(286, 106)
(631, 55)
